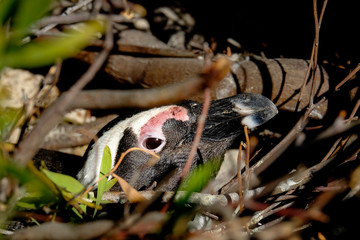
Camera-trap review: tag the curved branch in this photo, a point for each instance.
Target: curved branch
(141, 98)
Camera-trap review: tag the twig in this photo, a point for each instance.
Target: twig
(64, 19)
(213, 74)
(334, 146)
(68, 11)
(266, 211)
(274, 153)
(349, 76)
(53, 115)
(199, 130)
(314, 52)
(56, 230)
(52, 78)
(73, 135)
(355, 109)
(141, 98)
(77, 17)
(318, 22)
(239, 178)
(247, 161)
(202, 199)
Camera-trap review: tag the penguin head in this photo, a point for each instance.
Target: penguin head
(169, 132)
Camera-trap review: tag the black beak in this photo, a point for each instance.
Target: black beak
(226, 115)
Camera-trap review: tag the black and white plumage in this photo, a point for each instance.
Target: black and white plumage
(169, 132)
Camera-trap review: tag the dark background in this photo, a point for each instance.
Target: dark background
(278, 28)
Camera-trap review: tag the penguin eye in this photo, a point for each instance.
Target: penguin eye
(153, 144)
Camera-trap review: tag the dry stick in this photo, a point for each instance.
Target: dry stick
(350, 75)
(64, 19)
(306, 77)
(317, 35)
(334, 146)
(316, 51)
(313, 57)
(271, 156)
(67, 12)
(53, 115)
(357, 105)
(140, 98)
(51, 74)
(247, 161)
(274, 153)
(67, 136)
(213, 73)
(240, 207)
(52, 78)
(239, 178)
(199, 130)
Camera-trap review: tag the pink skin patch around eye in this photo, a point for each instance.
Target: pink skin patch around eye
(153, 128)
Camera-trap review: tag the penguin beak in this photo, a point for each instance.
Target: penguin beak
(226, 115)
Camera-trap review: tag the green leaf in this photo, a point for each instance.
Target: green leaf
(198, 178)
(8, 119)
(66, 182)
(27, 205)
(38, 194)
(7, 7)
(76, 212)
(42, 53)
(28, 12)
(110, 184)
(104, 169)
(35, 199)
(9, 169)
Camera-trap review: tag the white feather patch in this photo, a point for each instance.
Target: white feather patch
(250, 121)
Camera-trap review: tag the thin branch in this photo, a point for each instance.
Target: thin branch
(199, 130)
(202, 199)
(274, 153)
(73, 135)
(76, 18)
(348, 77)
(139, 98)
(355, 109)
(247, 161)
(318, 22)
(239, 178)
(314, 53)
(68, 11)
(335, 145)
(64, 19)
(213, 74)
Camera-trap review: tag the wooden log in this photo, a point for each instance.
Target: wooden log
(278, 79)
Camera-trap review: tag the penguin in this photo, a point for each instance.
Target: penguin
(169, 131)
